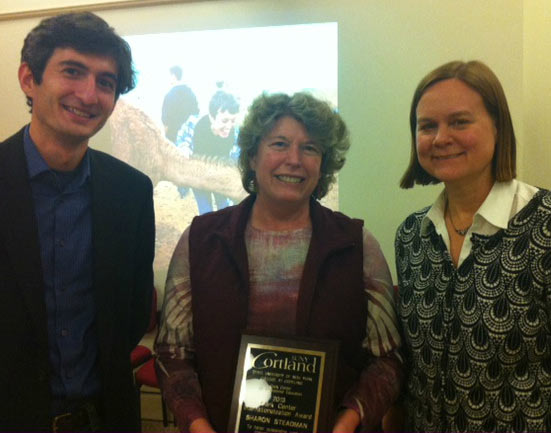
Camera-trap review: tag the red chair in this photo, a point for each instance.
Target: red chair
(146, 375)
(142, 353)
(142, 357)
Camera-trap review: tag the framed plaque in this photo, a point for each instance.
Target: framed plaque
(284, 385)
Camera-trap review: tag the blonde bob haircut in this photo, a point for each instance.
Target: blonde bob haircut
(482, 80)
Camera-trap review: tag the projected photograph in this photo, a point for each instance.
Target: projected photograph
(180, 124)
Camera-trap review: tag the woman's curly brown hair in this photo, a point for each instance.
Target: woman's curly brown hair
(323, 124)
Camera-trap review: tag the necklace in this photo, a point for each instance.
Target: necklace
(460, 232)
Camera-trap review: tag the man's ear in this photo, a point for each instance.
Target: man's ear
(26, 79)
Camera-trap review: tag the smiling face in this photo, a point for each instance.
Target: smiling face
(222, 124)
(287, 164)
(455, 135)
(74, 99)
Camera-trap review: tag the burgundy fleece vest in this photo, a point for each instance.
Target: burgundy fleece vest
(331, 303)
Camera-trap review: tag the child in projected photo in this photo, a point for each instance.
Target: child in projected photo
(211, 136)
(280, 264)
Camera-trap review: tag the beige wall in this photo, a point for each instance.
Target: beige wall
(385, 47)
(536, 98)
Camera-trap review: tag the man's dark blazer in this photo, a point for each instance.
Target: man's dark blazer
(123, 248)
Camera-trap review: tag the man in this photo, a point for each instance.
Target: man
(76, 240)
(179, 103)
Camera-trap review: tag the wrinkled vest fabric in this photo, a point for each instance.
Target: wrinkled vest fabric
(331, 302)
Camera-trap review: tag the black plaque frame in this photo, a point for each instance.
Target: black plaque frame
(319, 385)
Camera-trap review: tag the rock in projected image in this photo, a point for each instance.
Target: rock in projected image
(257, 393)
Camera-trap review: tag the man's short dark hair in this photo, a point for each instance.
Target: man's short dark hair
(223, 101)
(84, 32)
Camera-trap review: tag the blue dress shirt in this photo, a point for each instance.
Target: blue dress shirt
(62, 202)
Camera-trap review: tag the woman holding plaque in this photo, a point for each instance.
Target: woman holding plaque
(279, 264)
(474, 269)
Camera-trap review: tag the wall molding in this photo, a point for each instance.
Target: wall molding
(92, 7)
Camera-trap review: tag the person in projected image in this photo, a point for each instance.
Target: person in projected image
(474, 269)
(213, 136)
(77, 238)
(179, 103)
(280, 264)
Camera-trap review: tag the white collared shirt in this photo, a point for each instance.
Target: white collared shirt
(503, 202)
